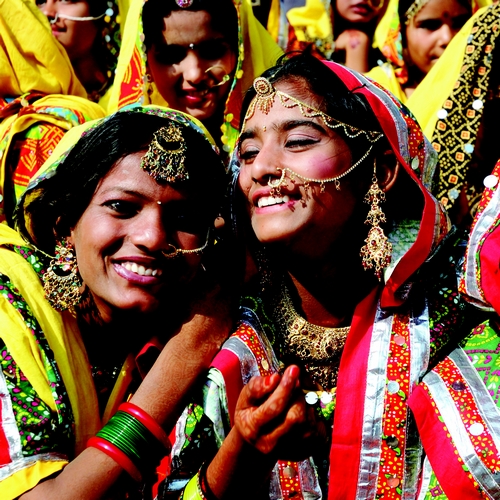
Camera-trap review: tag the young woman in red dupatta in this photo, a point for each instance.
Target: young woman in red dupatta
(356, 300)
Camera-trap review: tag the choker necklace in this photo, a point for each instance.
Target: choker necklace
(318, 348)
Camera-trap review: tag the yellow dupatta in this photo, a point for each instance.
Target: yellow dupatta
(63, 336)
(257, 52)
(27, 73)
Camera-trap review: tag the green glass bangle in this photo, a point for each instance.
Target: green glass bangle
(134, 439)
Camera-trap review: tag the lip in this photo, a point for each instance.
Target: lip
(361, 8)
(195, 98)
(135, 278)
(272, 208)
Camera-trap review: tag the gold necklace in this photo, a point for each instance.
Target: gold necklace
(317, 347)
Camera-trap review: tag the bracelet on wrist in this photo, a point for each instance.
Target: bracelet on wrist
(134, 440)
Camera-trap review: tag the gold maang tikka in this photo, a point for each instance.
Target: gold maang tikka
(166, 155)
(263, 101)
(377, 252)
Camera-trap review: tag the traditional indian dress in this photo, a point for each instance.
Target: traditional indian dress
(392, 70)
(51, 397)
(399, 333)
(450, 105)
(40, 98)
(256, 52)
(456, 404)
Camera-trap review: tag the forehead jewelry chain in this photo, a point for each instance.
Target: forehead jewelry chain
(166, 155)
(266, 94)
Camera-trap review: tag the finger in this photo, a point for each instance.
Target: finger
(259, 388)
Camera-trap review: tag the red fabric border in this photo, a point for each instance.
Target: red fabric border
(4, 444)
(348, 419)
(229, 365)
(438, 447)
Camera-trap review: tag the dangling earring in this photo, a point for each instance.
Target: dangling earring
(378, 249)
(62, 282)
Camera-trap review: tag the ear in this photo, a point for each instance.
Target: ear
(387, 169)
(62, 231)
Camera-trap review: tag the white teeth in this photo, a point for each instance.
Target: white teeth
(141, 270)
(267, 201)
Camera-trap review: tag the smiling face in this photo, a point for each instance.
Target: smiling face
(284, 138)
(359, 11)
(77, 37)
(431, 30)
(189, 62)
(119, 238)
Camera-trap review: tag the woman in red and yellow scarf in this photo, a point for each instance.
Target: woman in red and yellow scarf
(41, 98)
(198, 56)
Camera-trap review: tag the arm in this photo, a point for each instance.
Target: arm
(272, 422)
(356, 45)
(163, 395)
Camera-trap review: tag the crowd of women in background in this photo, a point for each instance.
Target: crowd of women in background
(226, 272)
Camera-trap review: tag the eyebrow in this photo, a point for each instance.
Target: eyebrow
(284, 126)
(123, 190)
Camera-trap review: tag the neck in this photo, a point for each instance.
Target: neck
(89, 73)
(327, 294)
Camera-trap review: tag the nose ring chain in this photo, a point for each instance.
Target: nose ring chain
(171, 252)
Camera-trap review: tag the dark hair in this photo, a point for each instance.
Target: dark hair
(224, 18)
(64, 197)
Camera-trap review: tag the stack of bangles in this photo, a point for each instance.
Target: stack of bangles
(134, 440)
(198, 488)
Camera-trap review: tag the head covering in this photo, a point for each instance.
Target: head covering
(40, 95)
(480, 282)
(450, 105)
(35, 225)
(388, 38)
(30, 58)
(411, 245)
(256, 52)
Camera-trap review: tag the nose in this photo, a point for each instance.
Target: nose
(445, 35)
(193, 68)
(49, 9)
(148, 232)
(265, 164)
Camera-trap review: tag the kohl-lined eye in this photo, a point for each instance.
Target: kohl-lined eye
(247, 154)
(300, 143)
(430, 24)
(122, 208)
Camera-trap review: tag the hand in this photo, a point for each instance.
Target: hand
(356, 44)
(271, 414)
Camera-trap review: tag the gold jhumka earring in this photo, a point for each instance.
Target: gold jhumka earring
(378, 249)
(166, 155)
(61, 281)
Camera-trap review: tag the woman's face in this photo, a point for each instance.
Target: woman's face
(188, 63)
(359, 11)
(119, 238)
(77, 37)
(284, 138)
(432, 29)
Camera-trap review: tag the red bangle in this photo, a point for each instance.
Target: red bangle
(117, 455)
(149, 422)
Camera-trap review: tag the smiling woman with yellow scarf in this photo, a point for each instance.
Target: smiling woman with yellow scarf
(40, 98)
(197, 56)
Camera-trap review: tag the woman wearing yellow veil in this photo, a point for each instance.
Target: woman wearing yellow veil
(457, 105)
(412, 36)
(221, 42)
(40, 99)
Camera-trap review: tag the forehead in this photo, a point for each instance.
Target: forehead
(185, 27)
(437, 8)
(127, 176)
(297, 89)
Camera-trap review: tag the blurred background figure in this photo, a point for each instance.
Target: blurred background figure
(89, 30)
(198, 56)
(412, 37)
(458, 104)
(339, 30)
(40, 97)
